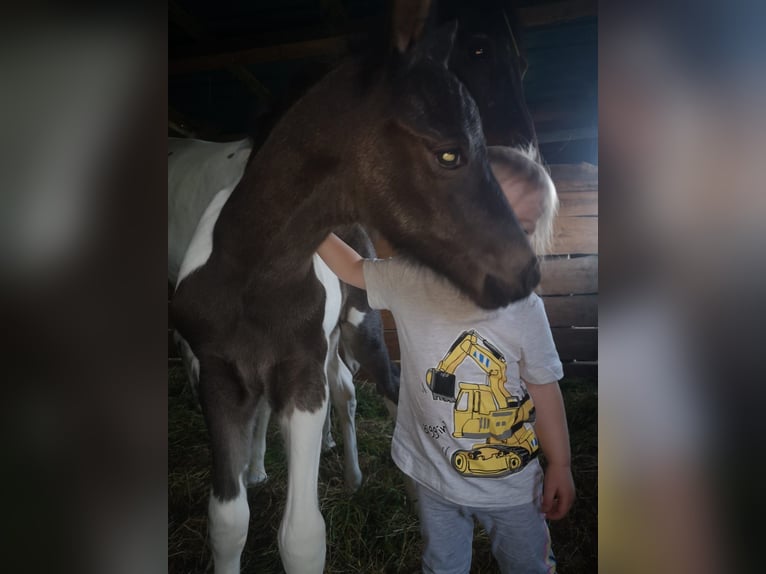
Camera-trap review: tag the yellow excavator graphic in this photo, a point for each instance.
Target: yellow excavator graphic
(485, 411)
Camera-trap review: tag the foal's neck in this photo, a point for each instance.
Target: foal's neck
(301, 184)
(283, 220)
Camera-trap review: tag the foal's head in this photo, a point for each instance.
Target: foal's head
(429, 188)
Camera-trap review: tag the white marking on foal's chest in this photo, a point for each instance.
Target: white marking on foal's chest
(333, 297)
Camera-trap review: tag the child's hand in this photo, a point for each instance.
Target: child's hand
(558, 491)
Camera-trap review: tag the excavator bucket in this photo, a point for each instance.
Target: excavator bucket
(442, 384)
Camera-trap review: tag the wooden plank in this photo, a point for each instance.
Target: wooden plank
(575, 235)
(578, 203)
(572, 176)
(392, 342)
(566, 134)
(573, 311)
(581, 370)
(388, 319)
(332, 46)
(565, 276)
(576, 344)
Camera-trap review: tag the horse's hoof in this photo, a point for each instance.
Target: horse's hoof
(353, 481)
(257, 477)
(328, 444)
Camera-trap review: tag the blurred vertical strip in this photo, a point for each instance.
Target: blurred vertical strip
(83, 125)
(683, 271)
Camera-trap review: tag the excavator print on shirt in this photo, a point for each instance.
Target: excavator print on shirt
(485, 411)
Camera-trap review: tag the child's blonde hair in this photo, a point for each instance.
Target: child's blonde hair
(520, 169)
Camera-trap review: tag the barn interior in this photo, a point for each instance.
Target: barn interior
(233, 67)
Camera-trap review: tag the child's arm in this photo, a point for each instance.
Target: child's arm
(342, 260)
(551, 428)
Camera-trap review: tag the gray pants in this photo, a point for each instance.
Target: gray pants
(521, 543)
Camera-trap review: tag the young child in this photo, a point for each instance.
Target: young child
(478, 391)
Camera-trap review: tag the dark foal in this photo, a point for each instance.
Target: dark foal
(400, 149)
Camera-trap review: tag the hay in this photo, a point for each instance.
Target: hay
(371, 531)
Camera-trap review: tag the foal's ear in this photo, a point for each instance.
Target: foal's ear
(408, 19)
(435, 46)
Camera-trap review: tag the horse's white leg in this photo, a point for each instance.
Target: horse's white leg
(228, 521)
(302, 532)
(343, 394)
(229, 416)
(257, 471)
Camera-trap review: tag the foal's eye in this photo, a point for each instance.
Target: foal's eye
(449, 158)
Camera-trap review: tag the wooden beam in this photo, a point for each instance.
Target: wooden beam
(575, 176)
(577, 203)
(577, 235)
(196, 30)
(576, 344)
(573, 311)
(568, 134)
(335, 45)
(567, 276)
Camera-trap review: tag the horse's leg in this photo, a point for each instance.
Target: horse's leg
(257, 471)
(229, 415)
(302, 543)
(327, 441)
(363, 343)
(343, 395)
(191, 364)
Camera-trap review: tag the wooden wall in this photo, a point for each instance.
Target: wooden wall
(569, 284)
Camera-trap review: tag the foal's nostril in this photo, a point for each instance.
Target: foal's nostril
(531, 275)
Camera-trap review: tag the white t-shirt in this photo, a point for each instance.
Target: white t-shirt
(478, 448)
